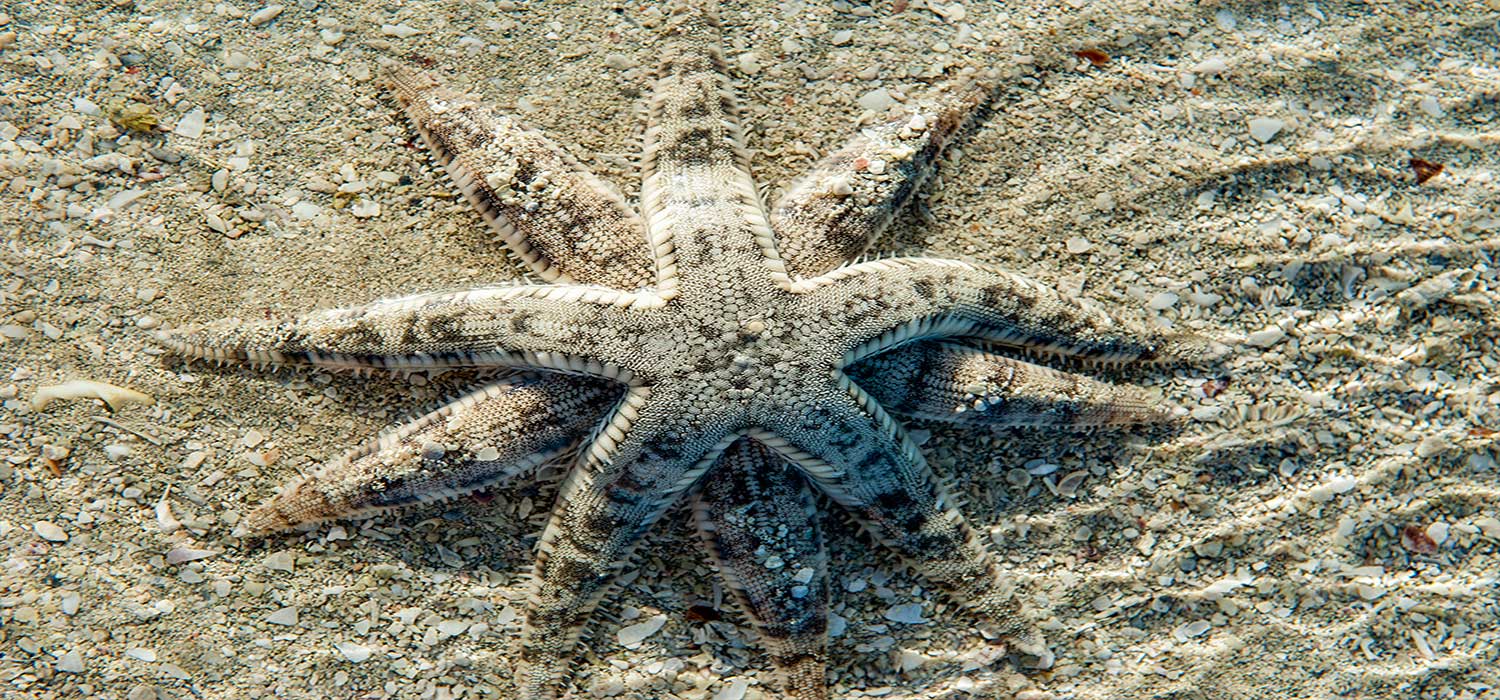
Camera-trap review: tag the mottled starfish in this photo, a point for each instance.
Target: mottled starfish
(709, 348)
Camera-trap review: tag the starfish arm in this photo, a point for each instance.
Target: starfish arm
(756, 515)
(555, 215)
(897, 300)
(953, 383)
(484, 438)
(834, 213)
(637, 466)
(863, 459)
(546, 327)
(697, 194)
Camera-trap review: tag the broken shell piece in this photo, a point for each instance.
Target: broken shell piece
(1068, 487)
(182, 555)
(116, 397)
(165, 520)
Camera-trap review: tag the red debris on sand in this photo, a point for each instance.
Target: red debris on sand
(1425, 169)
(1414, 538)
(1093, 56)
(702, 613)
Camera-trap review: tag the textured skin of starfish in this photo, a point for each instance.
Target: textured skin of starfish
(708, 348)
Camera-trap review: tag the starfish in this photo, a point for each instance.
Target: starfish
(706, 348)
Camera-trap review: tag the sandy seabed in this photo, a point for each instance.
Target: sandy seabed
(1324, 523)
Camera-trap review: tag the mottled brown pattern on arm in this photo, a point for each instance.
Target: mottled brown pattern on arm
(560, 219)
(756, 514)
(957, 384)
(833, 214)
(483, 438)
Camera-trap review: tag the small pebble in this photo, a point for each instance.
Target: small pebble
(877, 100)
(906, 614)
(365, 209)
(192, 124)
(1210, 66)
(1041, 468)
(452, 628)
(70, 662)
(355, 653)
(953, 12)
(400, 31)
(1196, 628)
(1264, 129)
(1019, 478)
(306, 210)
(240, 59)
(631, 636)
(124, 198)
(749, 63)
(837, 624)
(1324, 492)
(264, 15)
(840, 187)
(619, 61)
(284, 616)
(49, 531)
(1266, 337)
(734, 691)
(1438, 531)
(1204, 299)
(280, 561)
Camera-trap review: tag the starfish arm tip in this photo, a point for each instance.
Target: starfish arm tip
(1192, 348)
(300, 503)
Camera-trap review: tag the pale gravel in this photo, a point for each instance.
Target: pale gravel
(1257, 552)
